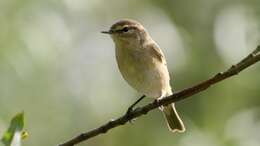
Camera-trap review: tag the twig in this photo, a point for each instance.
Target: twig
(181, 95)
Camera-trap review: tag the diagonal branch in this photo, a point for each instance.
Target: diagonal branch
(181, 95)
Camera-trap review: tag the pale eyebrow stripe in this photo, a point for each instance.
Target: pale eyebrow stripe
(121, 28)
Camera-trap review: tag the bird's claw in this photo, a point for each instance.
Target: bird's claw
(128, 114)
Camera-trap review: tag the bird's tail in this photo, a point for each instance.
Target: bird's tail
(174, 121)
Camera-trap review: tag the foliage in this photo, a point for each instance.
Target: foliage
(14, 134)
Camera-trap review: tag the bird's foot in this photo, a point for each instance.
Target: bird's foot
(131, 109)
(129, 113)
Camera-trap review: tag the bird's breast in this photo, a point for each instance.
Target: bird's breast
(131, 66)
(142, 72)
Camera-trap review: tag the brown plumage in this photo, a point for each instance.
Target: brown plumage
(143, 65)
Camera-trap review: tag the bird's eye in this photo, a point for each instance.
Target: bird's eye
(125, 29)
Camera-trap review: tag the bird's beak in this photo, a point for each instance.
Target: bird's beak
(107, 32)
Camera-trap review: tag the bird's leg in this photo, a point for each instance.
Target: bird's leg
(130, 109)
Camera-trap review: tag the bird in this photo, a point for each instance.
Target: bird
(143, 65)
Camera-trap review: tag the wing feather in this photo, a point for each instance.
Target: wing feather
(156, 52)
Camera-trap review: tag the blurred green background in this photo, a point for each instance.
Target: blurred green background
(58, 68)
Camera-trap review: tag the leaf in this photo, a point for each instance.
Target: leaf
(12, 137)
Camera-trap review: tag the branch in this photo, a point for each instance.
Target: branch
(181, 95)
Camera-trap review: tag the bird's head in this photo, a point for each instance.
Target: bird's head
(127, 31)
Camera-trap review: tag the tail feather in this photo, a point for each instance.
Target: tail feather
(174, 122)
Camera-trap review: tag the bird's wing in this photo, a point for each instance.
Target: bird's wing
(156, 52)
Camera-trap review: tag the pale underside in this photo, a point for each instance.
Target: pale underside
(144, 69)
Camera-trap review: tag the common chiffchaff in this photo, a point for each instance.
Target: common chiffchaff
(143, 65)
